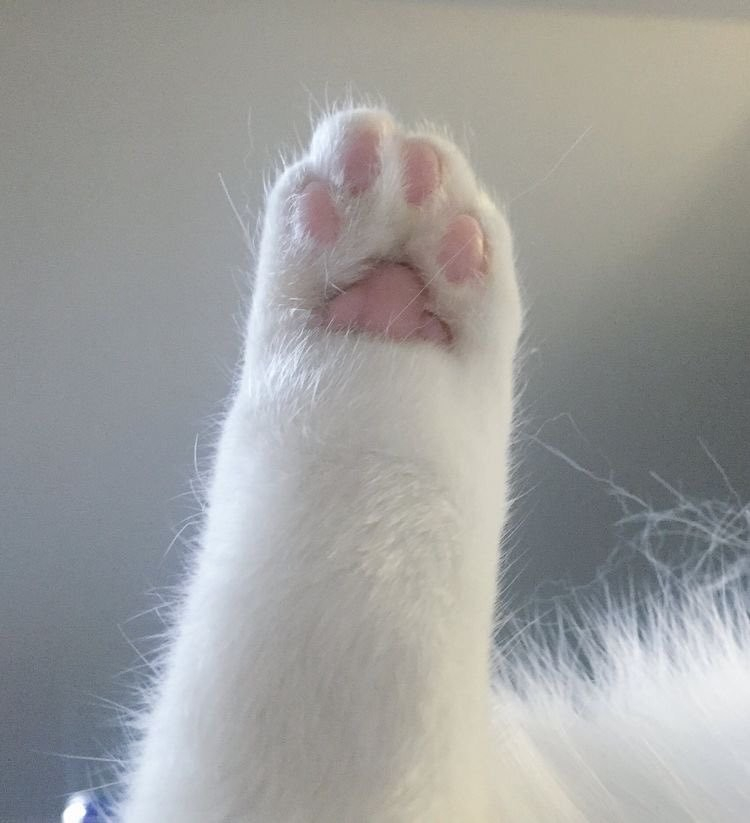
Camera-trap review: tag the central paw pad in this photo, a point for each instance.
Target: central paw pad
(391, 299)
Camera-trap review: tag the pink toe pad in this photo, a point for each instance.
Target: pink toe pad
(461, 255)
(360, 159)
(318, 212)
(421, 171)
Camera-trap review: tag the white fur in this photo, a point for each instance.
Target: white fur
(331, 660)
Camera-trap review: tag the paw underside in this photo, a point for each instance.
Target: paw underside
(385, 233)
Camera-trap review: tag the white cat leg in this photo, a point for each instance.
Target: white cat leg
(331, 661)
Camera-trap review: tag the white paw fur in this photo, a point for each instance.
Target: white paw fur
(331, 660)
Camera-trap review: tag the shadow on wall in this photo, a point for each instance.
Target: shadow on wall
(668, 372)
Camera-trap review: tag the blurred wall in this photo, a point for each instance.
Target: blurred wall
(619, 135)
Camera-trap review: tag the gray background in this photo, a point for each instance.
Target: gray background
(121, 282)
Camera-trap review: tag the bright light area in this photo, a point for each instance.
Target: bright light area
(75, 811)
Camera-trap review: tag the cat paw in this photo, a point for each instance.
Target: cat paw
(385, 233)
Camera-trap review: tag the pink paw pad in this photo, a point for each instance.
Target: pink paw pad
(421, 169)
(390, 300)
(360, 158)
(462, 253)
(318, 213)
